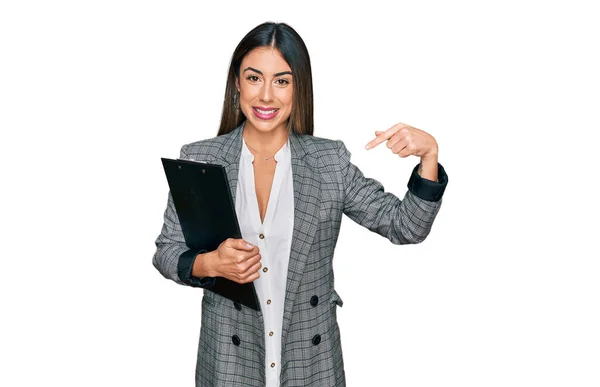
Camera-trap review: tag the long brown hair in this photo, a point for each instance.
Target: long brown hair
(291, 46)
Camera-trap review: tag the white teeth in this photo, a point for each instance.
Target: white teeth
(265, 111)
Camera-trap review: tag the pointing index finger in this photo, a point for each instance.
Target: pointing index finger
(383, 136)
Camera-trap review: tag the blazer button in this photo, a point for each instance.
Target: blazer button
(261, 236)
(316, 340)
(237, 305)
(236, 340)
(314, 300)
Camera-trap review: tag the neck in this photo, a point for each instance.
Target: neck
(265, 143)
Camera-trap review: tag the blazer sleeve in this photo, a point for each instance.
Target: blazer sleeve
(401, 221)
(172, 258)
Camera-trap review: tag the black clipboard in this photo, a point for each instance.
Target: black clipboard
(206, 213)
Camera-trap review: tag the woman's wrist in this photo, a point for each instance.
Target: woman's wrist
(428, 167)
(203, 265)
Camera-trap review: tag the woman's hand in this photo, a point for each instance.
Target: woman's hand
(405, 141)
(234, 259)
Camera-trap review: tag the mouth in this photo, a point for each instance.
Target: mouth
(265, 113)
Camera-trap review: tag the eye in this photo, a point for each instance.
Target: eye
(252, 78)
(282, 82)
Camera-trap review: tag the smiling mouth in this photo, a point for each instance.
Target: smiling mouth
(265, 112)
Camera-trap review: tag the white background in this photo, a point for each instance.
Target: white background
(504, 292)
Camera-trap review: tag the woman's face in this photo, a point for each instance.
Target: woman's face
(266, 90)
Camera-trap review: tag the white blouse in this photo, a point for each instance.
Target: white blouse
(274, 240)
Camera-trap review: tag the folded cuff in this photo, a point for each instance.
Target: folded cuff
(427, 189)
(184, 270)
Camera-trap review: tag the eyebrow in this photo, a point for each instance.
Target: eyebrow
(260, 72)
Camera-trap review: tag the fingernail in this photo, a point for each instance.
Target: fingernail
(367, 146)
(248, 245)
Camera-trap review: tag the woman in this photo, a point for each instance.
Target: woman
(290, 190)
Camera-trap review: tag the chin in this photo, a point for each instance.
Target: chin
(265, 126)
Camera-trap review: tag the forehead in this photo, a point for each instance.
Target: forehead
(266, 59)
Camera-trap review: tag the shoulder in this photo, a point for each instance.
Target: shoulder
(327, 153)
(320, 146)
(207, 147)
(328, 156)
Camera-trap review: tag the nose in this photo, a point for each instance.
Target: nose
(266, 92)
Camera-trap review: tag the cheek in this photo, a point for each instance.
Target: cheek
(286, 99)
(248, 92)
(246, 95)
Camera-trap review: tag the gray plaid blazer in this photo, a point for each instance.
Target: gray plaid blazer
(231, 350)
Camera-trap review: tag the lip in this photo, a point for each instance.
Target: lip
(265, 107)
(264, 116)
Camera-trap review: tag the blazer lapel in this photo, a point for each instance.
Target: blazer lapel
(307, 194)
(229, 155)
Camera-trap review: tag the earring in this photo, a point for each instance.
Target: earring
(236, 104)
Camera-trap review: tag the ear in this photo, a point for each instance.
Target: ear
(237, 84)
